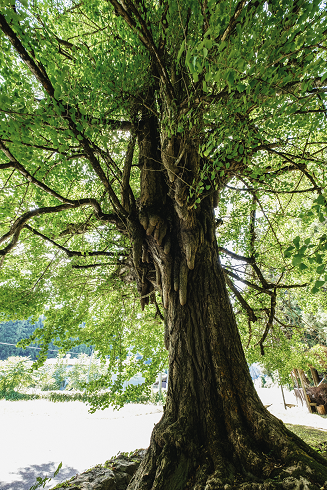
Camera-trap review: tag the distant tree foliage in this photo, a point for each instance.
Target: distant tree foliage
(12, 331)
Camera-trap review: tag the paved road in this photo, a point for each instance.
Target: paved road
(36, 435)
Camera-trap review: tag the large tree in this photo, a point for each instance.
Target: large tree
(123, 125)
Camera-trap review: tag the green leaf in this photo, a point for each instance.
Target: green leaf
(297, 259)
(296, 241)
(181, 50)
(320, 200)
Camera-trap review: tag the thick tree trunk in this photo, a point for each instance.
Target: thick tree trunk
(215, 430)
(215, 433)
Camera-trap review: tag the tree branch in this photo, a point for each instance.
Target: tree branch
(269, 323)
(248, 283)
(241, 300)
(146, 39)
(42, 78)
(74, 253)
(16, 165)
(232, 22)
(20, 223)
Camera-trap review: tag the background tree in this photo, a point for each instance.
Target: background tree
(124, 125)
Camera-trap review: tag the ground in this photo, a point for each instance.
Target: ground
(36, 435)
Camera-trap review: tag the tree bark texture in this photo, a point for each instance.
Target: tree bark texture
(215, 433)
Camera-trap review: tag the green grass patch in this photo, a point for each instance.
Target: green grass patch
(315, 438)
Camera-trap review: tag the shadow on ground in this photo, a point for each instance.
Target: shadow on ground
(26, 477)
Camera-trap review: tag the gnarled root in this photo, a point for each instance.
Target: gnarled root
(177, 461)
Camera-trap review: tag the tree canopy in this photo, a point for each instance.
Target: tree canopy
(135, 136)
(247, 87)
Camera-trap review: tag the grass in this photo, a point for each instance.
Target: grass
(315, 438)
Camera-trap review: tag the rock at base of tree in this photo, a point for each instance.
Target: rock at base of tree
(114, 474)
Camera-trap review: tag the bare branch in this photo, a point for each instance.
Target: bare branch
(241, 300)
(269, 323)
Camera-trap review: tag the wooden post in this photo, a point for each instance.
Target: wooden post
(302, 379)
(160, 384)
(314, 374)
(281, 387)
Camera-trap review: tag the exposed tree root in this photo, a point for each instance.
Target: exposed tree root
(174, 461)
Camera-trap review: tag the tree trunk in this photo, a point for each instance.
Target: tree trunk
(215, 433)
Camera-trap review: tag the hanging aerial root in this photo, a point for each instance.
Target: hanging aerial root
(183, 272)
(190, 246)
(145, 254)
(167, 244)
(176, 273)
(158, 276)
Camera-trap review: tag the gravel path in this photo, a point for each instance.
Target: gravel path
(36, 435)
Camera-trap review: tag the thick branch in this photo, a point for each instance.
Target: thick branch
(20, 223)
(248, 260)
(269, 323)
(37, 70)
(74, 253)
(251, 261)
(241, 300)
(90, 266)
(232, 22)
(248, 283)
(146, 38)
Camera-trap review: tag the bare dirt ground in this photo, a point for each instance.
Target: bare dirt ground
(35, 436)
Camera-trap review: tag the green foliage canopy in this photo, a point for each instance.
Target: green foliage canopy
(245, 80)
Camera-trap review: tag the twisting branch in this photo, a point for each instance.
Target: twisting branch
(20, 222)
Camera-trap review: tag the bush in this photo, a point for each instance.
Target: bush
(15, 373)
